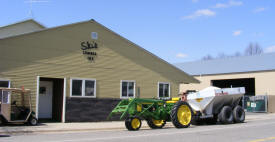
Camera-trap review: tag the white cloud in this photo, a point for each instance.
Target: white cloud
(181, 55)
(220, 5)
(194, 1)
(258, 34)
(235, 3)
(261, 9)
(200, 13)
(229, 4)
(237, 33)
(270, 49)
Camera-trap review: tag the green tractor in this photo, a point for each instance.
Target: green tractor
(155, 112)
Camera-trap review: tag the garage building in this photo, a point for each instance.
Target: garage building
(255, 73)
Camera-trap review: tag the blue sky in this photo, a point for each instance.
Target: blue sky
(175, 30)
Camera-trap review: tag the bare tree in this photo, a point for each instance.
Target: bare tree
(222, 55)
(237, 54)
(207, 57)
(253, 49)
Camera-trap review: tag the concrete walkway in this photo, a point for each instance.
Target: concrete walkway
(93, 126)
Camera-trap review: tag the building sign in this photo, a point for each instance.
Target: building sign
(88, 49)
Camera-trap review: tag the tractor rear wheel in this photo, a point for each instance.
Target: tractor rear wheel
(133, 123)
(226, 115)
(156, 124)
(181, 115)
(238, 114)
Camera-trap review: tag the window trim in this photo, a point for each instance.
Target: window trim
(2, 79)
(169, 93)
(83, 87)
(122, 97)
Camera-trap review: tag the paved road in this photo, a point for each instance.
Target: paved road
(259, 130)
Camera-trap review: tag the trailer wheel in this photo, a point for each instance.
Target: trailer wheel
(133, 123)
(238, 114)
(181, 115)
(156, 124)
(32, 121)
(226, 115)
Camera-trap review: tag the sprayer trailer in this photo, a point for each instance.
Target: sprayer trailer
(213, 104)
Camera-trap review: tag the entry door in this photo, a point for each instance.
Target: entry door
(45, 99)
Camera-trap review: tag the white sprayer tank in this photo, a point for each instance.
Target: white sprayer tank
(210, 100)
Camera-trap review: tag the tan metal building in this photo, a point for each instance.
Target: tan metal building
(78, 72)
(255, 73)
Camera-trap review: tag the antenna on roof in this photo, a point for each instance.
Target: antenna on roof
(31, 3)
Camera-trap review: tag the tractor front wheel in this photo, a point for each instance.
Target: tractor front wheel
(133, 123)
(181, 115)
(156, 124)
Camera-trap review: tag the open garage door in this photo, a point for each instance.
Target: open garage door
(248, 83)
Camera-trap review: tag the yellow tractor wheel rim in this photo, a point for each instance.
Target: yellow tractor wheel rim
(184, 115)
(158, 122)
(135, 123)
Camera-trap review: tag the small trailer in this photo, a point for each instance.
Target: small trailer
(214, 104)
(209, 105)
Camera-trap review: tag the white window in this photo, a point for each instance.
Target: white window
(83, 87)
(163, 90)
(94, 35)
(4, 83)
(127, 89)
(4, 95)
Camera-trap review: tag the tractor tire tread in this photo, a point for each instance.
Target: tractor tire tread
(174, 117)
(128, 125)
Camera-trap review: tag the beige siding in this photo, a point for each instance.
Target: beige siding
(56, 53)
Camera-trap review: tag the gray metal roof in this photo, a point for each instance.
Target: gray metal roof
(262, 62)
